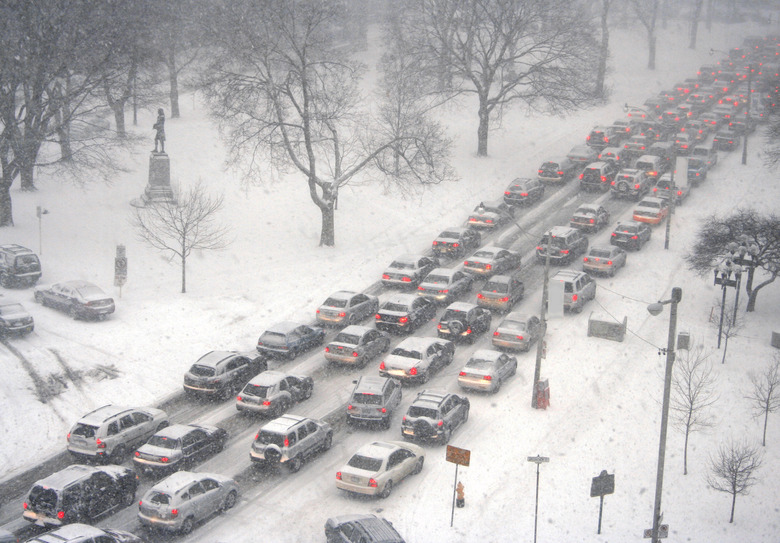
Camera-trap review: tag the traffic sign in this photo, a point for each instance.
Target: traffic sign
(538, 459)
(458, 456)
(663, 532)
(602, 485)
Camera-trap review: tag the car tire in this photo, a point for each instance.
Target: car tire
(350, 421)
(446, 435)
(128, 497)
(230, 500)
(418, 466)
(387, 489)
(73, 313)
(281, 408)
(39, 298)
(162, 425)
(308, 393)
(328, 442)
(295, 464)
(498, 386)
(186, 526)
(5, 280)
(386, 423)
(118, 455)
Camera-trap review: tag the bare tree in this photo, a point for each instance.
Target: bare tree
(533, 52)
(180, 227)
(732, 324)
(732, 469)
(772, 143)
(287, 98)
(695, 16)
(601, 74)
(693, 394)
(765, 396)
(647, 12)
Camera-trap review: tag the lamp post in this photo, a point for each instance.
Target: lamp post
(40, 212)
(723, 272)
(744, 253)
(655, 309)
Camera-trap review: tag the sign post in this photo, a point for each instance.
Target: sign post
(120, 268)
(600, 486)
(459, 457)
(537, 460)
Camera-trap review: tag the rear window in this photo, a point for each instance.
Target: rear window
(451, 314)
(495, 286)
(402, 265)
(160, 498)
(364, 462)
(437, 279)
(203, 371)
(10, 309)
(350, 339)
(599, 253)
(259, 391)
(484, 254)
(270, 438)
(417, 411)
(43, 498)
(367, 399)
(519, 325)
(163, 442)
(26, 260)
(568, 287)
(274, 338)
(478, 364)
(84, 430)
(450, 235)
(335, 302)
(398, 351)
(389, 306)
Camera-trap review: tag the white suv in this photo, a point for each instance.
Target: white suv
(290, 440)
(578, 289)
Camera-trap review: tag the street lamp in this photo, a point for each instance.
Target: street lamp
(40, 212)
(672, 186)
(655, 309)
(723, 272)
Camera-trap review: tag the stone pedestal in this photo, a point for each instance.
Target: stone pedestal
(158, 189)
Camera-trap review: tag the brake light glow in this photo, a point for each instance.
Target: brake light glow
(382, 365)
(505, 299)
(372, 483)
(496, 333)
(355, 354)
(60, 515)
(266, 402)
(440, 423)
(286, 441)
(487, 377)
(174, 512)
(100, 444)
(519, 337)
(164, 459)
(573, 297)
(137, 453)
(338, 476)
(413, 371)
(327, 349)
(24, 505)
(403, 320)
(385, 276)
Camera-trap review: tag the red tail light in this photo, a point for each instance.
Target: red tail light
(519, 338)
(382, 365)
(349, 407)
(505, 299)
(488, 266)
(413, 371)
(338, 476)
(438, 326)
(164, 459)
(634, 237)
(372, 483)
(24, 505)
(456, 244)
(609, 262)
(137, 453)
(507, 193)
(637, 186)
(496, 333)
(480, 296)
(538, 247)
(462, 374)
(266, 402)
(342, 314)
(487, 377)
(377, 316)
(385, 276)
(581, 175)
(174, 512)
(585, 259)
(60, 515)
(383, 410)
(440, 423)
(257, 435)
(403, 320)
(406, 279)
(603, 178)
(100, 444)
(592, 221)
(573, 297)
(564, 251)
(614, 235)
(541, 172)
(418, 288)
(68, 436)
(327, 349)
(560, 173)
(524, 194)
(355, 354)
(286, 441)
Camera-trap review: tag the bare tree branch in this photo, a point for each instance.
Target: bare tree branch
(732, 470)
(765, 396)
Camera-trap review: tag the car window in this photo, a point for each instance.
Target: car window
(394, 460)
(126, 422)
(209, 484)
(141, 418)
(359, 299)
(311, 427)
(283, 384)
(113, 429)
(292, 439)
(303, 432)
(84, 430)
(196, 490)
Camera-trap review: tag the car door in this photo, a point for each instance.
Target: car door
(129, 432)
(60, 296)
(145, 425)
(213, 495)
(197, 505)
(370, 343)
(293, 386)
(100, 494)
(359, 305)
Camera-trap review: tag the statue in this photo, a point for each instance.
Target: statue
(160, 127)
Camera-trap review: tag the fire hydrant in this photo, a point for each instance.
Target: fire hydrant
(460, 496)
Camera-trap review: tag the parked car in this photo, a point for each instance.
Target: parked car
(434, 415)
(598, 175)
(582, 154)
(463, 321)
(178, 447)
(366, 528)
(357, 345)
(631, 235)
(486, 370)
(456, 242)
(604, 259)
(346, 307)
(14, 319)
(416, 358)
(408, 270)
(273, 392)
(663, 189)
(517, 332)
(404, 313)
(377, 467)
(491, 214)
(289, 339)
(501, 292)
(558, 170)
(443, 285)
(489, 261)
(564, 244)
(111, 432)
(578, 289)
(663, 150)
(221, 374)
(590, 217)
(290, 440)
(651, 210)
(184, 499)
(374, 399)
(523, 191)
(18, 266)
(79, 299)
(79, 493)
(725, 140)
(80, 533)
(630, 183)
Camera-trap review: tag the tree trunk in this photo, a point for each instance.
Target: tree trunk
(751, 305)
(695, 23)
(766, 418)
(651, 47)
(63, 137)
(685, 450)
(26, 171)
(183, 274)
(726, 346)
(118, 107)
(484, 126)
(709, 15)
(733, 503)
(6, 205)
(173, 77)
(604, 52)
(328, 233)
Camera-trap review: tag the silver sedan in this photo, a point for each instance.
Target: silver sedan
(377, 467)
(487, 370)
(604, 259)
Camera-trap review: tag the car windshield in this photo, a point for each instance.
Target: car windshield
(365, 463)
(335, 302)
(163, 442)
(400, 351)
(23, 260)
(437, 279)
(495, 286)
(159, 498)
(10, 309)
(402, 265)
(485, 254)
(350, 339)
(390, 306)
(368, 399)
(270, 438)
(599, 253)
(451, 314)
(259, 391)
(203, 371)
(417, 411)
(84, 430)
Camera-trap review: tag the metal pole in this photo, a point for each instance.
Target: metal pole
(540, 341)
(673, 194)
(736, 301)
(722, 306)
(454, 487)
(601, 507)
(536, 508)
(747, 120)
(40, 232)
(659, 481)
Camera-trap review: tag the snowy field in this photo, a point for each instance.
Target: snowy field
(605, 410)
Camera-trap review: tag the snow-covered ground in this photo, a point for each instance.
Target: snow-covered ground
(605, 410)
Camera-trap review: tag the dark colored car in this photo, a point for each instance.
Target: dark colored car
(404, 313)
(524, 191)
(14, 319)
(456, 241)
(566, 244)
(179, 446)
(517, 332)
(78, 533)
(374, 399)
(80, 493)
(18, 266)
(602, 136)
(221, 374)
(590, 217)
(408, 270)
(434, 415)
(612, 154)
(598, 175)
(582, 154)
(491, 214)
(79, 299)
(558, 170)
(464, 322)
(726, 140)
(273, 392)
(631, 235)
(289, 339)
